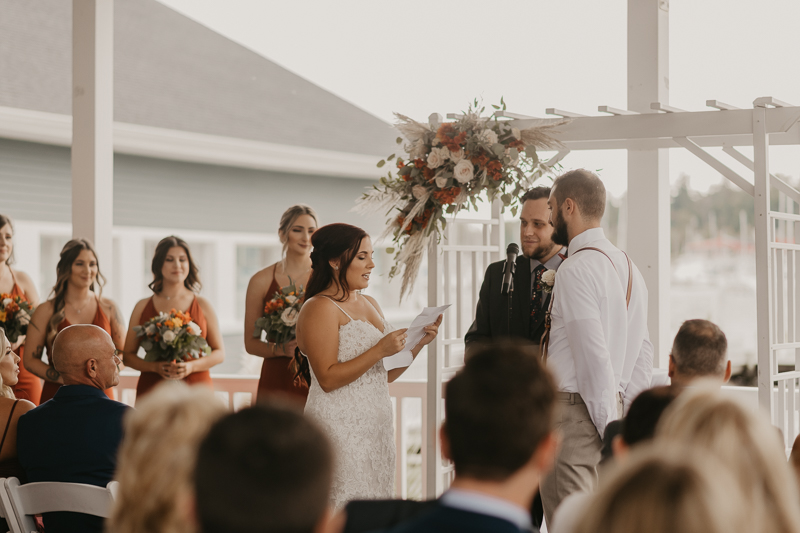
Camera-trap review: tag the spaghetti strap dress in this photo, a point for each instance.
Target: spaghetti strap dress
(100, 320)
(29, 385)
(148, 380)
(277, 377)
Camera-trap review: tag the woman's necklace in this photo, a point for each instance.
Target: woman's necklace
(81, 309)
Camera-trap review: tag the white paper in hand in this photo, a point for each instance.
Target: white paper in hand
(415, 333)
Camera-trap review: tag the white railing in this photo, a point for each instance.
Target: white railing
(239, 391)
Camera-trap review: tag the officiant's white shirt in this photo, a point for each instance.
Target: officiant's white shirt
(598, 348)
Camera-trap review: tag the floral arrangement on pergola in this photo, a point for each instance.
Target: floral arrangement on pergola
(452, 166)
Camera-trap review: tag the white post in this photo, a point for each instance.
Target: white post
(648, 197)
(92, 119)
(763, 261)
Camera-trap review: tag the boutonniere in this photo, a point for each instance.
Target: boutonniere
(548, 280)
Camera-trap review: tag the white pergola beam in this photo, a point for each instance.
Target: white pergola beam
(717, 165)
(500, 113)
(769, 101)
(615, 110)
(556, 158)
(778, 183)
(623, 129)
(658, 106)
(92, 124)
(722, 106)
(561, 113)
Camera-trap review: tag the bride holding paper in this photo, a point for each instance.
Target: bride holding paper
(345, 338)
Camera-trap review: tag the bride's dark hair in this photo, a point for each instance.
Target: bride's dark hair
(333, 242)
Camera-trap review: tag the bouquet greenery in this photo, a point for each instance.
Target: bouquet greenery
(280, 315)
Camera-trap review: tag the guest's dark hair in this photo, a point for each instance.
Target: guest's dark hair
(265, 468)
(700, 349)
(192, 281)
(537, 193)
(4, 220)
(498, 410)
(585, 188)
(331, 243)
(645, 412)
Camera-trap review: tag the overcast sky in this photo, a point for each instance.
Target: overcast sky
(417, 57)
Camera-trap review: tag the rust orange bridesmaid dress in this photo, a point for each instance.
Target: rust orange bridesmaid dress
(277, 377)
(101, 320)
(29, 385)
(148, 380)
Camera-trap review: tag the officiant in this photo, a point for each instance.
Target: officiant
(530, 296)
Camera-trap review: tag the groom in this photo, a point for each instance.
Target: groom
(530, 301)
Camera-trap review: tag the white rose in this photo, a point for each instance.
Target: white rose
(440, 180)
(6, 301)
(516, 133)
(464, 171)
(289, 316)
(418, 191)
(457, 156)
(488, 137)
(150, 329)
(549, 279)
(23, 317)
(193, 328)
(437, 157)
(169, 336)
(291, 299)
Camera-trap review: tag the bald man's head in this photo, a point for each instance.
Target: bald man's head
(84, 354)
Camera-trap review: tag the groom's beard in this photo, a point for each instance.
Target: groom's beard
(560, 233)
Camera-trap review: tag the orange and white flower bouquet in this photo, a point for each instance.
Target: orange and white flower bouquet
(451, 166)
(15, 315)
(172, 336)
(280, 315)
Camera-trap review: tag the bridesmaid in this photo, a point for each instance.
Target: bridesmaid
(16, 283)
(75, 299)
(295, 229)
(175, 284)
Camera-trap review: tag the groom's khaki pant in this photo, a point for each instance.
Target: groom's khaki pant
(575, 469)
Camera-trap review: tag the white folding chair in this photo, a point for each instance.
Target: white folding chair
(47, 497)
(6, 511)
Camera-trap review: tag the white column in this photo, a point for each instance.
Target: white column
(92, 119)
(129, 266)
(648, 198)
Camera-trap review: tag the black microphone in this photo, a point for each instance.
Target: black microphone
(511, 265)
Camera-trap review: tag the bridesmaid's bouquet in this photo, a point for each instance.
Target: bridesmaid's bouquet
(172, 337)
(15, 315)
(280, 315)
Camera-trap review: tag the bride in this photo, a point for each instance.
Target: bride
(344, 336)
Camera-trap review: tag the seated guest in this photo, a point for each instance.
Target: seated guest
(700, 350)
(638, 427)
(74, 437)
(703, 419)
(498, 431)
(664, 489)
(267, 469)
(158, 456)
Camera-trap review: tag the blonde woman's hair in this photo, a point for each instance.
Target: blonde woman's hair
(157, 458)
(5, 390)
(702, 418)
(69, 253)
(288, 218)
(666, 489)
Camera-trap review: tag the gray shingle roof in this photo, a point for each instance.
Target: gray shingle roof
(172, 72)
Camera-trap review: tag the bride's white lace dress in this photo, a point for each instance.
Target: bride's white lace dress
(358, 419)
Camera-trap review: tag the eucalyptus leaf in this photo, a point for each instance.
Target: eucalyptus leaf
(381, 163)
(498, 149)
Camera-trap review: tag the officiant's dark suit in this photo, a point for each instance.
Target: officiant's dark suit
(491, 315)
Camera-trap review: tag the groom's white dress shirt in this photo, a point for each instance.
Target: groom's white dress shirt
(598, 347)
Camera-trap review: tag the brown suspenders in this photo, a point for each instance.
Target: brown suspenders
(546, 336)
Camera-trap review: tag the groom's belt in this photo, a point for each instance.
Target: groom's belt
(571, 397)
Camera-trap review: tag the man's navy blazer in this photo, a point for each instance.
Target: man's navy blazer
(74, 438)
(443, 519)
